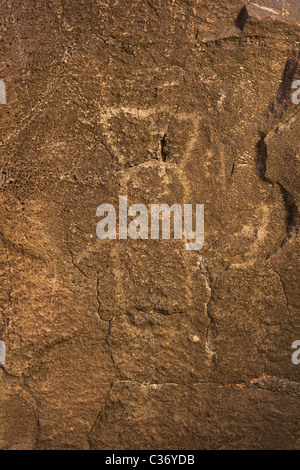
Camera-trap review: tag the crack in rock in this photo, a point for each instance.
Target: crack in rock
(211, 330)
(109, 321)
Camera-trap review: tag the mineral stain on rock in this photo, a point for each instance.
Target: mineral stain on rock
(141, 344)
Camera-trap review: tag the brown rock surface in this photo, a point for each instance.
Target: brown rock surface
(124, 344)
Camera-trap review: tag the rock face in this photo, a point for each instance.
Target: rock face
(141, 344)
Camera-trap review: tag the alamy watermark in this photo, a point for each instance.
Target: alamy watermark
(2, 92)
(296, 354)
(160, 215)
(296, 94)
(2, 353)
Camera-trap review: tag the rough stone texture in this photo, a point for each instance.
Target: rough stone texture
(142, 344)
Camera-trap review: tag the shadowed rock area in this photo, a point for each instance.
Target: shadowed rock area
(142, 344)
